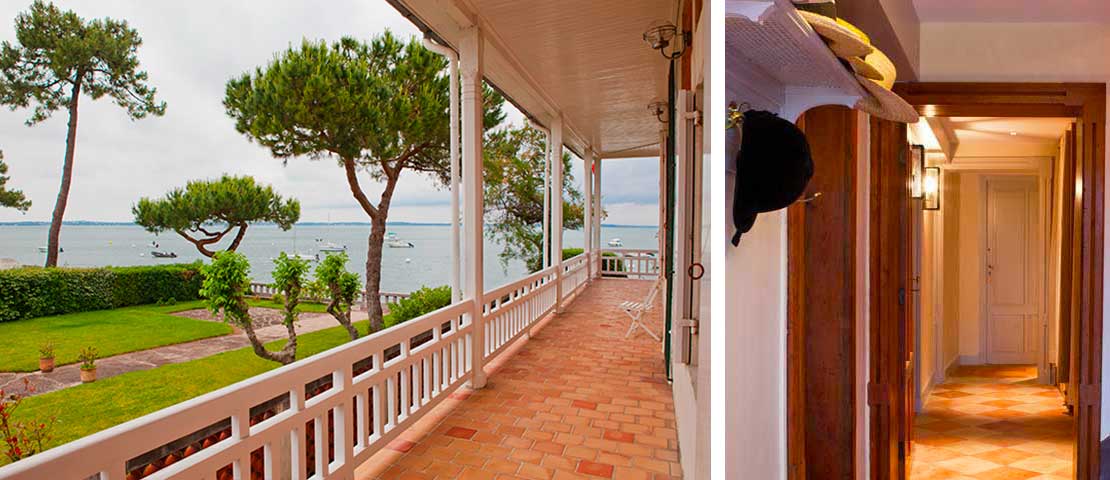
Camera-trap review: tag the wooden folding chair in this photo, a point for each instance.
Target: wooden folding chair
(636, 310)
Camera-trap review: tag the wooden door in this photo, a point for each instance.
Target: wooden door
(889, 395)
(1011, 285)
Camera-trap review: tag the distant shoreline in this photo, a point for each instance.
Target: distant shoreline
(79, 223)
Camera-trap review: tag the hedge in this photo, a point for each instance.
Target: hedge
(31, 292)
(420, 302)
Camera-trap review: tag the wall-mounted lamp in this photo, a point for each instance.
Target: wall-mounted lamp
(931, 188)
(659, 109)
(660, 35)
(917, 171)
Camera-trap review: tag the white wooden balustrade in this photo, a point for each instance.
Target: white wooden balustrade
(356, 397)
(512, 309)
(630, 262)
(575, 273)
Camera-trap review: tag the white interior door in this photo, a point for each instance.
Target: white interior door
(1011, 282)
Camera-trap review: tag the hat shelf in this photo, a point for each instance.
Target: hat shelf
(776, 62)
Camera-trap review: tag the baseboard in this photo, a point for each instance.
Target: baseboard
(970, 360)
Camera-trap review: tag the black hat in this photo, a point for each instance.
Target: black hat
(773, 168)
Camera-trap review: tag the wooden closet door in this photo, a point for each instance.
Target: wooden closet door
(889, 395)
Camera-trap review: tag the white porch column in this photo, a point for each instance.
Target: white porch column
(587, 217)
(662, 199)
(470, 63)
(545, 247)
(453, 91)
(597, 214)
(557, 207)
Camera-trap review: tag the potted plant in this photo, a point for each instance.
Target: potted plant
(88, 357)
(46, 357)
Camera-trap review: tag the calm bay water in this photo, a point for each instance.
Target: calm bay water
(403, 269)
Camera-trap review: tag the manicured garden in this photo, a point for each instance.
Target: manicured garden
(86, 409)
(112, 332)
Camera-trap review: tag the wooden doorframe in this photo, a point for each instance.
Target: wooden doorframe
(1086, 102)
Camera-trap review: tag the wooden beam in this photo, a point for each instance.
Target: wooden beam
(946, 136)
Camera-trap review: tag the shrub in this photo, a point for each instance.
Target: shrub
(21, 439)
(420, 302)
(88, 357)
(38, 292)
(46, 350)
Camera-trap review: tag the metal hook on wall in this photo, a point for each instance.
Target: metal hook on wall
(809, 198)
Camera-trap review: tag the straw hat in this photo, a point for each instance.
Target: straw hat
(843, 38)
(876, 66)
(873, 69)
(883, 103)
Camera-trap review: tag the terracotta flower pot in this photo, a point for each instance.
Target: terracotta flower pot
(46, 364)
(88, 376)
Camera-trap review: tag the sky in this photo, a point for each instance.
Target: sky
(190, 50)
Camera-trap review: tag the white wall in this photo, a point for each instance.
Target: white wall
(971, 268)
(1022, 52)
(951, 207)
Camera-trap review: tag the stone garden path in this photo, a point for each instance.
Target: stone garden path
(69, 375)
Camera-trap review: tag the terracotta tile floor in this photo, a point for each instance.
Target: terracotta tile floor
(576, 401)
(993, 422)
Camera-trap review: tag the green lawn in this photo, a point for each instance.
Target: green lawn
(89, 408)
(111, 332)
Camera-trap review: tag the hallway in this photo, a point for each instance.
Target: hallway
(993, 422)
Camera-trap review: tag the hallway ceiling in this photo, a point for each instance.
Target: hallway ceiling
(1008, 136)
(1035, 11)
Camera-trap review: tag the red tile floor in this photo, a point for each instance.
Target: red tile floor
(575, 401)
(993, 422)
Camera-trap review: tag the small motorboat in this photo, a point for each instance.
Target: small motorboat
(161, 254)
(331, 247)
(616, 242)
(399, 244)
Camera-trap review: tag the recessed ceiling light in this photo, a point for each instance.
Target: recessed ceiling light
(1013, 133)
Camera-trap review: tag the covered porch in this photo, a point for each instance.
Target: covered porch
(575, 400)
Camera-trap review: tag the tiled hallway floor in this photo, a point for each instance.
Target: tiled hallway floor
(993, 422)
(576, 401)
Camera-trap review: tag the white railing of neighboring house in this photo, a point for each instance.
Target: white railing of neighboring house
(266, 290)
(355, 398)
(630, 263)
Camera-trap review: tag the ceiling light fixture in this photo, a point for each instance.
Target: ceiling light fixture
(1013, 134)
(659, 36)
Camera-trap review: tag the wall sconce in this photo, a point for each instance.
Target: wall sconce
(931, 188)
(659, 36)
(659, 109)
(917, 171)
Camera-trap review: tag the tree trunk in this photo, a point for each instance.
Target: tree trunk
(374, 269)
(285, 356)
(342, 316)
(67, 177)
